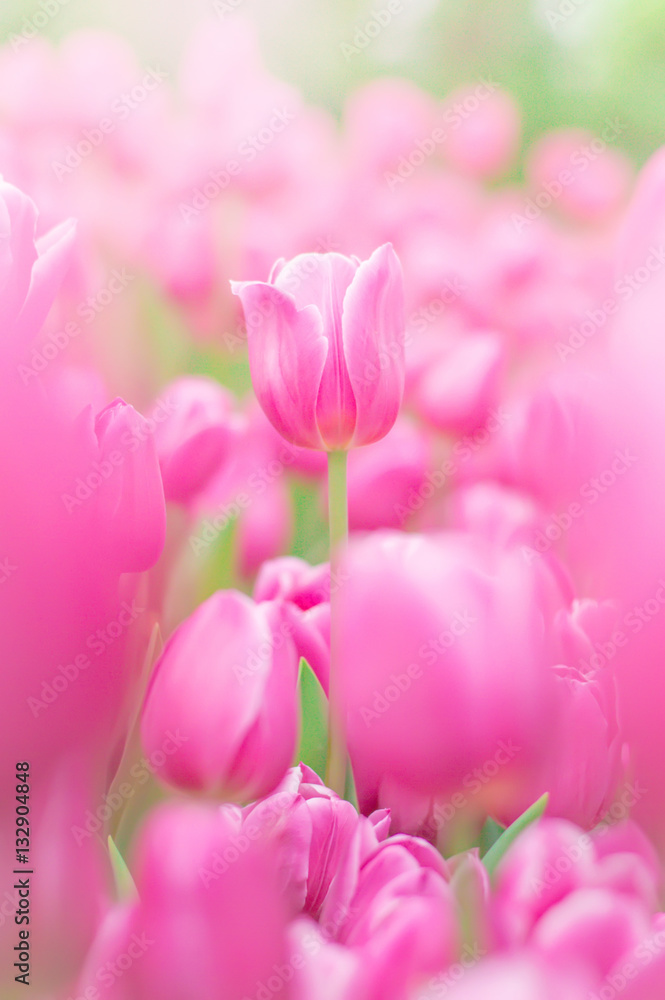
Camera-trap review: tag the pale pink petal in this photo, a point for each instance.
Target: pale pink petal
(287, 354)
(373, 332)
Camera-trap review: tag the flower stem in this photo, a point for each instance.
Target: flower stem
(339, 532)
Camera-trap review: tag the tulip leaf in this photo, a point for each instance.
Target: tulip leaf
(124, 883)
(314, 721)
(499, 849)
(489, 835)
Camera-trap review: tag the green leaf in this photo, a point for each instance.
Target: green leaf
(489, 835)
(314, 725)
(124, 883)
(499, 849)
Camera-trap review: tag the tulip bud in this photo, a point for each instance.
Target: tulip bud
(326, 347)
(227, 682)
(128, 487)
(193, 442)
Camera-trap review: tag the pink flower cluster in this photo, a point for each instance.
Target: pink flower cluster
(488, 357)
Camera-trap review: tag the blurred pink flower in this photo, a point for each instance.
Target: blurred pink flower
(227, 682)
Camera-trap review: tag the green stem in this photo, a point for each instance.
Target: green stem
(339, 532)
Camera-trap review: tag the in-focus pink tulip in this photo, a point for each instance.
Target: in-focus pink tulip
(196, 436)
(226, 682)
(321, 839)
(402, 917)
(326, 347)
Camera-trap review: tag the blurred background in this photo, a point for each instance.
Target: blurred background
(569, 62)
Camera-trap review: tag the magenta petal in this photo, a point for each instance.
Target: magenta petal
(287, 355)
(373, 331)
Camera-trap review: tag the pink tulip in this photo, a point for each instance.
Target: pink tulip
(586, 727)
(483, 136)
(555, 861)
(85, 507)
(210, 920)
(383, 478)
(320, 837)
(227, 681)
(130, 498)
(326, 347)
(197, 436)
(306, 589)
(444, 663)
(402, 918)
(458, 382)
(323, 968)
(565, 169)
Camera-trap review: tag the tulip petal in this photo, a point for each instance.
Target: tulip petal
(324, 279)
(287, 355)
(373, 332)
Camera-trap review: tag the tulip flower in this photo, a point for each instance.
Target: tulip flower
(210, 921)
(326, 347)
(227, 681)
(445, 669)
(326, 354)
(195, 438)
